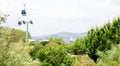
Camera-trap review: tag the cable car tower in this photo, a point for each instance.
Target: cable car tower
(25, 21)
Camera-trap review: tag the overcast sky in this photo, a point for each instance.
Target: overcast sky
(53, 16)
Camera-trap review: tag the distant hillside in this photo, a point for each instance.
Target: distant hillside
(64, 35)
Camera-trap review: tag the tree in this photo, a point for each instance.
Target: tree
(3, 17)
(102, 38)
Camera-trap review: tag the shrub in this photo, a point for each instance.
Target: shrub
(51, 54)
(83, 60)
(12, 35)
(78, 47)
(16, 54)
(109, 57)
(54, 56)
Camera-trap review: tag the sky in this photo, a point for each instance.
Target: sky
(54, 16)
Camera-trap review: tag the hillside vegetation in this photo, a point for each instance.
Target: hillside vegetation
(101, 45)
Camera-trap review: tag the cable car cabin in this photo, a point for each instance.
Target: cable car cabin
(19, 23)
(23, 13)
(23, 22)
(31, 22)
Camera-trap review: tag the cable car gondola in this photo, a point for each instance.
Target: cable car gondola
(19, 23)
(31, 22)
(23, 22)
(23, 13)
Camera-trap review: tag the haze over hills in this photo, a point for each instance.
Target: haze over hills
(64, 35)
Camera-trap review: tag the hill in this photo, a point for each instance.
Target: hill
(64, 35)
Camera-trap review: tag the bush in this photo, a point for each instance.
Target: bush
(109, 57)
(83, 60)
(16, 54)
(51, 54)
(12, 35)
(78, 47)
(55, 56)
(59, 41)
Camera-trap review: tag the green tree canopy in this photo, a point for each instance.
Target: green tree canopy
(103, 38)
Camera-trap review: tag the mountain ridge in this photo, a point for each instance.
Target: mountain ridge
(64, 35)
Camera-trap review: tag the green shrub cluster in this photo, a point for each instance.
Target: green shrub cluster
(59, 41)
(13, 50)
(12, 35)
(51, 54)
(78, 47)
(16, 54)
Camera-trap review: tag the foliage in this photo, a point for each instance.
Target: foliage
(12, 35)
(103, 38)
(55, 56)
(44, 44)
(56, 40)
(109, 57)
(51, 54)
(78, 47)
(83, 60)
(36, 48)
(3, 17)
(16, 54)
(19, 35)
